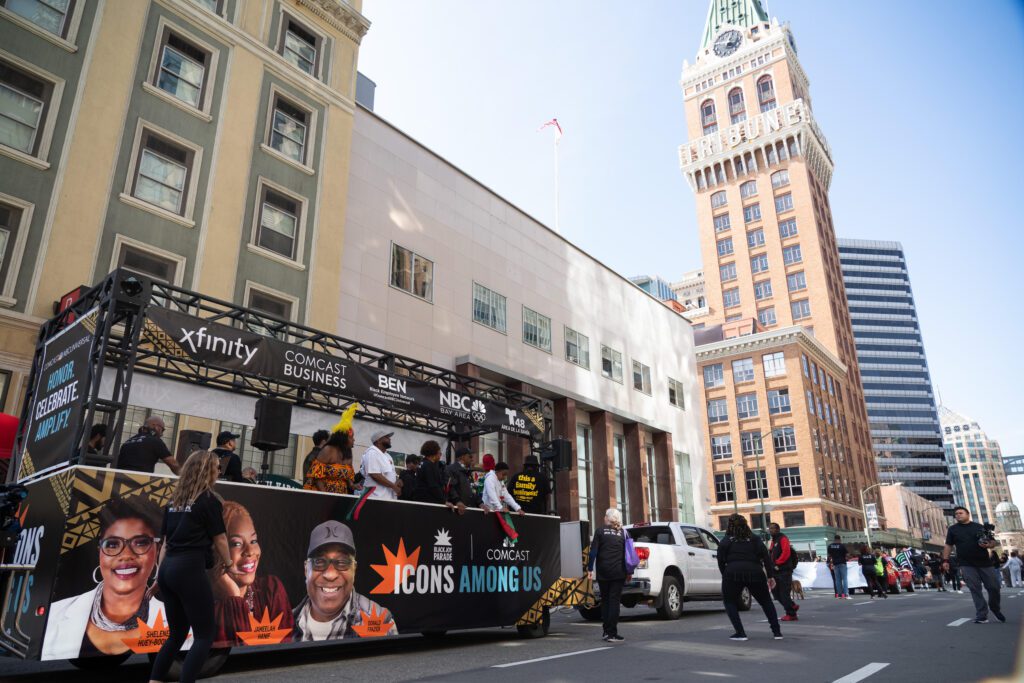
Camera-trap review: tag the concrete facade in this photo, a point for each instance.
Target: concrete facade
(906, 510)
(976, 461)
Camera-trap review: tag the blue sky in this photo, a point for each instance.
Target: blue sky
(921, 103)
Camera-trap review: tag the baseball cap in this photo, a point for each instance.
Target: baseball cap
(459, 452)
(379, 434)
(329, 532)
(224, 437)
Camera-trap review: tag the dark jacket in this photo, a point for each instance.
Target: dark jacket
(232, 469)
(408, 479)
(460, 486)
(608, 554)
(746, 560)
(782, 554)
(429, 483)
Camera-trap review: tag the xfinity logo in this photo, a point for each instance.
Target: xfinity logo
(201, 339)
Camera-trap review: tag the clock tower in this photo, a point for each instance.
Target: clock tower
(761, 169)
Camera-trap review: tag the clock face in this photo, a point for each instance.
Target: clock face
(728, 42)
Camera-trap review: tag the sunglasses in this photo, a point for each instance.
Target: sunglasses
(140, 545)
(320, 564)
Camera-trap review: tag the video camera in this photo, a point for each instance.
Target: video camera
(10, 526)
(988, 534)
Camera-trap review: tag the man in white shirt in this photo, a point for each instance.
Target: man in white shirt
(496, 496)
(380, 469)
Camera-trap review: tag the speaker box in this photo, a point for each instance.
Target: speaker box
(562, 455)
(273, 424)
(190, 441)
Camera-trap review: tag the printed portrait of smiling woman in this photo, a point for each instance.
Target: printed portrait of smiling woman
(101, 619)
(239, 592)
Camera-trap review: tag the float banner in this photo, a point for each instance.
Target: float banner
(183, 336)
(300, 571)
(60, 392)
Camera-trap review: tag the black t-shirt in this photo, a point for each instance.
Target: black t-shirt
(867, 561)
(142, 452)
(965, 538)
(837, 553)
(230, 465)
(530, 489)
(194, 526)
(608, 553)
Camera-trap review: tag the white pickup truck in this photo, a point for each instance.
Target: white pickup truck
(678, 563)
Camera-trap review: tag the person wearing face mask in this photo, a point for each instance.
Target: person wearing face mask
(379, 469)
(332, 609)
(240, 593)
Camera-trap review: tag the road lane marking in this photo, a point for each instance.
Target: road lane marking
(714, 673)
(959, 622)
(544, 659)
(869, 602)
(862, 673)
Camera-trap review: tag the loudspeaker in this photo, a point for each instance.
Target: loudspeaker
(273, 424)
(561, 459)
(190, 441)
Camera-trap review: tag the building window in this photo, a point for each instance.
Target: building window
(279, 221)
(708, 117)
(801, 309)
(24, 100)
(751, 443)
(642, 377)
(288, 130)
(299, 46)
(212, 5)
(756, 521)
(791, 255)
(611, 363)
(793, 518)
(577, 348)
(718, 200)
(743, 370)
(725, 246)
(803, 362)
(789, 482)
(810, 402)
(488, 308)
(751, 213)
(724, 490)
(675, 393)
(755, 238)
(787, 228)
(182, 69)
(536, 329)
(412, 273)
(757, 484)
(796, 281)
(727, 272)
(759, 264)
(780, 178)
(746, 406)
(11, 218)
(721, 222)
(272, 305)
(784, 439)
(748, 189)
(713, 376)
(652, 482)
(163, 172)
(49, 15)
(763, 290)
(774, 364)
(784, 203)
(737, 110)
(731, 297)
(721, 447)
(766, 93)
(619, 443)
(148, 264)
(718, 410)
(766, 316)
(778, 401)
(585, 472)
(831, 386)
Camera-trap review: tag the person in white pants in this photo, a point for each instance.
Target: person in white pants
(1014, 564)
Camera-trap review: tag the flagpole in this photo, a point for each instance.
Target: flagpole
(557, 229)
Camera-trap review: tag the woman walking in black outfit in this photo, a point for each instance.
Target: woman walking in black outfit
(867, 567)
(608, 564)
(745, 563)
(193, 527)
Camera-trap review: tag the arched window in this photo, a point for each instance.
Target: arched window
(748, 189)
(766, 93)
(708, 119)
(737, 110)
(718, 199)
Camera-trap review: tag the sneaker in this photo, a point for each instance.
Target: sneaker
(738, 636)
(789, 618)
(999, 616)
(796, 608)
(847, 597)
(777, 636)
(960, 592)
(838, 596)
(604, 637)
(981, 621)
(615, 638)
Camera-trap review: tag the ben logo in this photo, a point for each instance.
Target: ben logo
(442, 546)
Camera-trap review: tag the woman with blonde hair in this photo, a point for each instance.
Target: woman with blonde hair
(193, 527)
(607, 565)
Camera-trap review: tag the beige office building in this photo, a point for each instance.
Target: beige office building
(906, 510)
(976, 463)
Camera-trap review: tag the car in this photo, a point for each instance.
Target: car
(678, 564)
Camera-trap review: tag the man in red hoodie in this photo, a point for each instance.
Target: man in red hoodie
(785, 562)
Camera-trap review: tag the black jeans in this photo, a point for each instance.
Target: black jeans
(732, 587)
(611, 598)
(188, 599)
(783, 591)
(874, 582)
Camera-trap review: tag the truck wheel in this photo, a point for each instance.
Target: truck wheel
(538, 630)
(101, 663)
(745, 601)
(590, 613)
(671, 599)
(216, 660)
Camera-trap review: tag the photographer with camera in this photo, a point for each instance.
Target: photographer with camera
(972, 542)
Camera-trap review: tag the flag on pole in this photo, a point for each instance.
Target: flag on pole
(558, 128)
(903, 560)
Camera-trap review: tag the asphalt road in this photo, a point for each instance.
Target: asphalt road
(924, 636)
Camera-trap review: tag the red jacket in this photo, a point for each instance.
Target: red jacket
(781, 551)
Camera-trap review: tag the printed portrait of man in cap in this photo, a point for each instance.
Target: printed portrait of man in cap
(332, 609)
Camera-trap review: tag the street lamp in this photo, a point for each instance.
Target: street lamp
(864, 512)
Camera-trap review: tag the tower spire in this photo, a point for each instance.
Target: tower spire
(743, 13)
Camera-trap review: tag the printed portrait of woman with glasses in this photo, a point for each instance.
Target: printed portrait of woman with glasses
(99, 621)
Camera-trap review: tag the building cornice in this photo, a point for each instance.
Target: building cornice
(340, 16)
(765, 341)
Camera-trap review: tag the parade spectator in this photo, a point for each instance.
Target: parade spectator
(531, 487)
(1015, 565)
(496, 496)
(1004, 568)
(607, 566)
(379, 468)
(972, 544)
(459, 482)
(952, 574)
(784, 561)
(320, 437)
(250, 476)
(745, 563)
(97, 439)
(867, 568)
(331, 470)
(408, 477)
(487, 462)
(935, 569)
(429, 482)
(837, 557)
(143, 451)
(230, 463)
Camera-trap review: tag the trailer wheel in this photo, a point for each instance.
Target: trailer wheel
(216, 660)
(538, 630)
(101, 663)
(590, 613)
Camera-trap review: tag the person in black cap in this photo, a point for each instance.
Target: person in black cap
(408, 477)
(230, 463)
(332, 609)
(459, 481)
(530, 488)
(142, 452)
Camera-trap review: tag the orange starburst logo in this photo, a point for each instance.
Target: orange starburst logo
(375, 624)
(398, 565)
(150, 638)
(264, 630)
